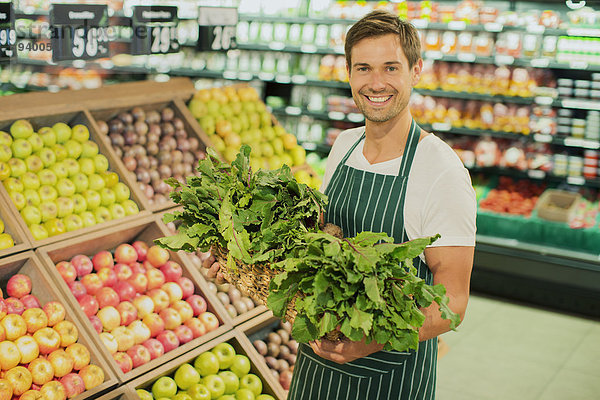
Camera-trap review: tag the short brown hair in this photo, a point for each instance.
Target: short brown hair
(379, 23)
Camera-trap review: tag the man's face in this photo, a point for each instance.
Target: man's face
(380, 78)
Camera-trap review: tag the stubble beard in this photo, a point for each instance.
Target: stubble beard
(382, 115)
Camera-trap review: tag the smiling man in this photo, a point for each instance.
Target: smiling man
(391, 176)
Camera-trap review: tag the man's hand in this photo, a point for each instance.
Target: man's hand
(213, 267)
(344, 350)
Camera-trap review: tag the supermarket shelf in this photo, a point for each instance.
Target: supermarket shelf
(281, 46)
(475, 96)
(538, 175)
(354, 118)
(320, 148)
(295, 19)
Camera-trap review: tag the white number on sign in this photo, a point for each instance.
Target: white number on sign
(223, 36)
(78, 42)
(91, 46)
(162, 37)
(3, 37)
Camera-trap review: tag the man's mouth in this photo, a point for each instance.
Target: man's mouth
(378, 99)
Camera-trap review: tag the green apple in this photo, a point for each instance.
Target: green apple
(34, 163)
(49, 210)
(117, 211)
(186, 376)
(38, 232)
(63, 132)
(47, 193)
(47, 156)
(88, 218)
(48, 136)
(96, 182)
(13, 185)
(65, 206)
(215, 385)
(92, 199)
(108, 196)
(122, 191)
(164, 387)
(4, 170)
(102, 214)
(181, 396)
(21, 129)
(231, 380)
(101, 163)
(130, 207)
(5, 138)
(31, 215)
(47, 177)
(89, 149)
(60, 170)
(30, 180)
(225, 353)
(265, 397)
(144, 394)
(72, 166)
(80, 133)
(65, 187)
(17, 167)
(73, 148)
(198, 392)
(60, 152)
(207, 363)
(227, 397)
(5, 152)
(79, 203)
(36, 142)
(241, 365)
(252, 382)
(244, 394)
(87, 166)
(110, 180)
(32, 197)
(73, 222)
(81, 182)
(55, 227)
(21, 148)
(18, 199)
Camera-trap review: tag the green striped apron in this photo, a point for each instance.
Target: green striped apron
(365, 201)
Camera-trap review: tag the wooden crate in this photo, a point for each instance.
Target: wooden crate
(146, 229)
(234, 337)
(124, 392)
(80, 116)
(181, 111)
(12, 226)
(45, 290)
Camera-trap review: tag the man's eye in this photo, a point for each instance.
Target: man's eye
(392, 69)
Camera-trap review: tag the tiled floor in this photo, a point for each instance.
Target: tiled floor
(510, 351)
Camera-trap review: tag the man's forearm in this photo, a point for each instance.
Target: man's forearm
(434, 324)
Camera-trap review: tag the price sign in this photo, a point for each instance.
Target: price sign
(154, 30)
(79, 31)
(8, 35)
(217, 28)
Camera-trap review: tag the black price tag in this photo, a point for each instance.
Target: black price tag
(154, 30)
(8, 35)
(79, 31)
(217, 28)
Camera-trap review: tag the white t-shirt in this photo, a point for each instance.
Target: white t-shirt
(439, 195)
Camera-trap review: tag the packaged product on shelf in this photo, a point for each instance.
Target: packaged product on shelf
(484, 44)
(448, 45)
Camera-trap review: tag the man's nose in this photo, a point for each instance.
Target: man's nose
(377, 82)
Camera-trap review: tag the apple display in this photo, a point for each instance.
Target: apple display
(168, 339)
(102, 214)
(184, 334)
(89, 305)
(81, 182)
(155, 347)
(92, 283)
(30, 301)
(48, 210)
(17, 168)
(171, 318)
(77, 289)
(125, 290)
(198, 329)
(92, 199)
(139, 355)
(72, 166)
(123, 360)
(157, 256)
(141, 249)
(252, 382)
(241, 365)
(171, 270)
(73, 384)
(198, 304)
(108, 276)
(106, 296)
(225, 354)
(55, 226)
(123, 272)
(95, 182)
(18, 286)
(89, 149)
(103, 259)
(82, 264)
(139, 281)
(187, 286)
(36, 141)
(67, 271)
(155, 323)
(207, 363)
(63, 132)
(130, 207)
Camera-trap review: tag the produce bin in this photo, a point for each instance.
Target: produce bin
(241, 345)
(12, 227)
(44, 288)
(145, 229)
(122, 393)
(72, 118)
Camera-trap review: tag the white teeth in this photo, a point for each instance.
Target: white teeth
(378, 99)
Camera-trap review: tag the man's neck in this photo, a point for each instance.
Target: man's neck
(385, 141)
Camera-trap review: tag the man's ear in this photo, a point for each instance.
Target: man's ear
(416, 71)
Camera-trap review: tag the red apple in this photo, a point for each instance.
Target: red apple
(18, 286)
(184, 309)
(173, 290)
(48, 340)
(83, 265)
(80, 354)
(78, 289)
(108, 276)
(41, 371)
(128, 312)
(61, 362)
(160, 299)
(184, 334)
(30, 301)
(3, 308)
(139, 281)
(168, 339)
(92, 283)
(73, 384)
(125, 291)
(197, 327)
(155, 347)
(55, 311)
(172, 271)
(137, 268)
(144, 305)
(123, 272)
(198, 304)
(35, 318)
(157, 256)
(89, 305)
(67, 271)
(68, 333)
(96, 323)
(125, 253)
(123, 361)
(187, 286)
(209, 320)
(155, 278)
(103, 259)
(171, 318)
(107, 297)
(155, 323)
(147, 265)
(139, 355)
(141, 249)
(14, 306)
